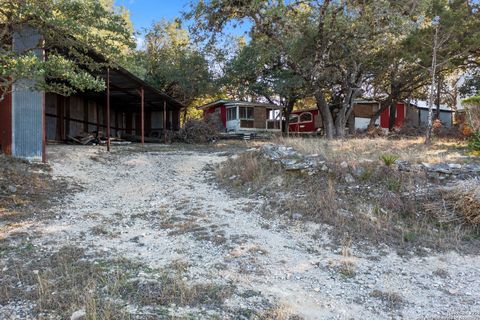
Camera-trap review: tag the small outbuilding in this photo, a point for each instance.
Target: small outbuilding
(243, 117)
(29, 118)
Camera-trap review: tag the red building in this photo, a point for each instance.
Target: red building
(310, 120)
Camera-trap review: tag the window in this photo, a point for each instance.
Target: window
(293, 118)
(246, 113)
(231, 113)
(306, 117)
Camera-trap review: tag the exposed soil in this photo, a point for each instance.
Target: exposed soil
(157, 208)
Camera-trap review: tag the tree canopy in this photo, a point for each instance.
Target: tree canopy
(341, 50)
(74, 33)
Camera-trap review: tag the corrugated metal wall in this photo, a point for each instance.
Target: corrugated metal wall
(27, 103)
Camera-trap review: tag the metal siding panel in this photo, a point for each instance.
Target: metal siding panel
(27, 120)
(27, 103)
(446, 118)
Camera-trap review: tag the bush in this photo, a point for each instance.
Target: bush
(196, 131)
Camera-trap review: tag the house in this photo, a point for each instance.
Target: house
(446, 115)
(30, 118)
(243, 117)
(413, 114)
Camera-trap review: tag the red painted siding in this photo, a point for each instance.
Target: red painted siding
(399, 118)
(304, 126)
(6, 124)
(223, 113)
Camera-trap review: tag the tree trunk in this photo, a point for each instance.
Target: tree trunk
(432, 89)
(288, 110)
(438, 99)
(327, 118)
(393, 114)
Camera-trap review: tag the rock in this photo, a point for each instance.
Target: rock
(344, 165)
(324, 168)
(403, 165)
(455, 166)
(79, 315)
(358, 171)
(441, 168)
(12, 189)
(297, 216)
(349, 178)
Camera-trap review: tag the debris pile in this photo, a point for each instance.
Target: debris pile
(94, 138)
(196, 131)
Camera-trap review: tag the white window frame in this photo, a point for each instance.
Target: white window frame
(311, 117)
(294, 116)
(246, 107)
(235, 111)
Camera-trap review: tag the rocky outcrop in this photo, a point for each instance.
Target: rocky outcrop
(292, 160)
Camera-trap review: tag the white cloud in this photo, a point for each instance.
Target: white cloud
(140, 42)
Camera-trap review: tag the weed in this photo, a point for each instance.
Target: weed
(409, 236)
(392, 299)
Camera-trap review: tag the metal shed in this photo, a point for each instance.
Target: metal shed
(129, 105)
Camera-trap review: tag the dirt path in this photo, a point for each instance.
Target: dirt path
(158, 207)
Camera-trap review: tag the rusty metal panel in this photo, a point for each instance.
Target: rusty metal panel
(6, 124)
(27, 102)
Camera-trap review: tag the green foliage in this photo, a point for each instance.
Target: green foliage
(394, 185)
(389, 159)
(174, 65)
(474, 142)
(409, 236)
(333, 49)
(72, 30)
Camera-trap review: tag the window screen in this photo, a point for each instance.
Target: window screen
(231, 114)
(246, 112)
(306, 117)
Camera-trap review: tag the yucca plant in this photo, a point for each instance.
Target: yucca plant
(389, 159)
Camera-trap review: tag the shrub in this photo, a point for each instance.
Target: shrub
(474, 142)
(389, 159)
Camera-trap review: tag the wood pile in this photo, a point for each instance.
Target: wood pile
(94, 138)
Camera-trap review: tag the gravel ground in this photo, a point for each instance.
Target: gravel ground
(157, 205)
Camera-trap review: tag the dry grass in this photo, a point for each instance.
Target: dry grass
(392, 300)
(379, 207)
(27, 189)
(460, 202)
(247, 168)
(354, 150)
(67, 280)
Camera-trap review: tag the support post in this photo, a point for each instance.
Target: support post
(142, 115)
(44, 131)
(165, 121)
(108, 109)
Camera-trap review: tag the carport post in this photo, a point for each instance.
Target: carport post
(142, 115)
(108, 109)
(165, 121)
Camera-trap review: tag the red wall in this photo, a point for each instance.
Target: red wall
(223, 113)
(399, 119)
(6, 124)
(304, 126)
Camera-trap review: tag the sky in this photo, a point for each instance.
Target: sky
(144, 13)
